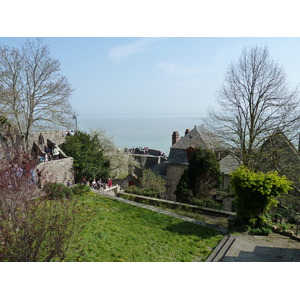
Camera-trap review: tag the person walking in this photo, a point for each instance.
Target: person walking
(109, 183)
(39, 174)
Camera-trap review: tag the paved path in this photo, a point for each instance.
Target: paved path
(272, 248)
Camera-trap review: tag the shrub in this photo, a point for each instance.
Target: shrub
(31, 228)
(260, 231)
(183, 190)
(153, 184)
(142, 191)
(202, 175)
(54, 190)
(80, 189)
(255, 194)
(207, 202)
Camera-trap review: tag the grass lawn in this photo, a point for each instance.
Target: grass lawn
(117, 232)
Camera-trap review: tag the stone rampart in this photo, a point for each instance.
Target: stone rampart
(60, 170)
(57, 136)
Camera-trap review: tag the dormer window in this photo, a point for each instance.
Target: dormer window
(189, 153)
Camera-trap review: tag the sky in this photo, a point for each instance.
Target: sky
(141, 89)
(154, 75)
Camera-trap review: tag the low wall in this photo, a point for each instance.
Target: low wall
(60, 170)
(174, 204)
(113, 191)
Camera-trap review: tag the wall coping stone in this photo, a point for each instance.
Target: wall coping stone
(222, 212)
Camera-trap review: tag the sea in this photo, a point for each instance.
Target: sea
(140, 130)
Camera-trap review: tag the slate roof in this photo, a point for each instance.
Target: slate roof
(199, 136)
(177, 156)
(228, 164)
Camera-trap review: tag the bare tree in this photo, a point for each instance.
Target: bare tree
(255, 101)
(33, 93)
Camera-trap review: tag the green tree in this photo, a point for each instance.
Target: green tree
(121, 164)
(154, 182)
(202, 175)
(89, 159)
(256, 194)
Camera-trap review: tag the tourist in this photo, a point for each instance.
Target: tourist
(99, 184)
(33, 176)
(41, 139)
(109, 183)
(39, 174)
(94, 184)
(48, 156)
(55, 153)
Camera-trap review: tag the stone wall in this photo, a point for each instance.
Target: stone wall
(60, 170)
(58, 137)
(174, 173)
(146, 162)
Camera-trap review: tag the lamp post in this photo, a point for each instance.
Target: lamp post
(75, 117)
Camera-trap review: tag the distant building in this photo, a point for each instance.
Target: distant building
(181, 150)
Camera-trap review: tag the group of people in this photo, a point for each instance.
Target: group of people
(51, 152)
(16, 173)
(139, 150)
(68, 133)
(98, 184)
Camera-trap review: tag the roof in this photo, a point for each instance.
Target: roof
(199, 136)
(228, 164)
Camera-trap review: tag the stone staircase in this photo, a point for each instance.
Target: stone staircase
(222, 248)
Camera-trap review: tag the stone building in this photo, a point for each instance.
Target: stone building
(276, 154)
(182, 149)
(60, 170)
(279, 154)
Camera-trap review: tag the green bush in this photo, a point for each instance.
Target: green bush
(153, 184)
(200, 178)
(260, 231)
(80, 189)
(207, 202)
(142, 191)
(54, 190)
(255, 194)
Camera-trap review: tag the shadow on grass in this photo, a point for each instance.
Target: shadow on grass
(187, 228)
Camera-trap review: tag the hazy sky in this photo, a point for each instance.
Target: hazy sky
(155, 75)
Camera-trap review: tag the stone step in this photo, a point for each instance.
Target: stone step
(221, 250)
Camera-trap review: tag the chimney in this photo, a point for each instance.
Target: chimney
(187, 131)
(175, 137)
